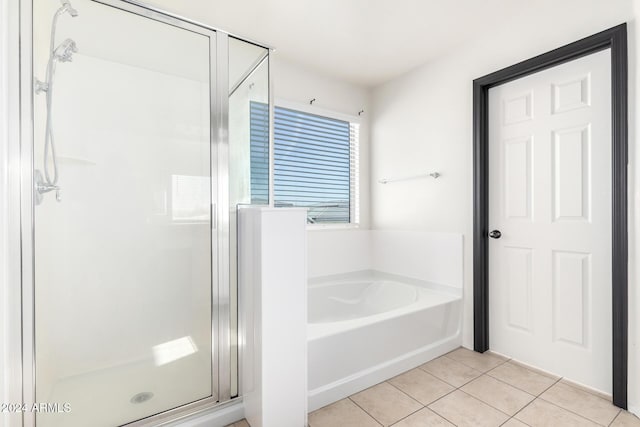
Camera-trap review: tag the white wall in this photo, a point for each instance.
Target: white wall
(422, 122)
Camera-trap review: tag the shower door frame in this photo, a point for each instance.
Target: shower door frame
(219, 175)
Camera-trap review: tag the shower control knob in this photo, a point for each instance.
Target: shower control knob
(495, 234)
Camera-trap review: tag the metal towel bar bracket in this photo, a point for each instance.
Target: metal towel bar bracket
(422, 175)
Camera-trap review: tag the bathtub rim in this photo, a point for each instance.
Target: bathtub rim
(382, 275)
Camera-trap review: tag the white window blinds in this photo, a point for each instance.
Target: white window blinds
(315, 163)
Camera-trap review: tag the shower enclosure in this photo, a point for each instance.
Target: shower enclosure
(134, 162)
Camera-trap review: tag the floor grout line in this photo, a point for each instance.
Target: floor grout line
(503, 361)
(404, 418)
(405, 393)
(426, 406)
(507, 384)
(515, 386)
(536, 398)
(438, 413)
(442, 416)
(459, 388)
(453, 385)
(522, 409)
(547, 389)
(489, 405)
(443, 396)
(569, 410)
(447, 382)
(575, 413)
(365, 411)
(616, 417)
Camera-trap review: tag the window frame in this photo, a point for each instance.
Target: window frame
(331, 114)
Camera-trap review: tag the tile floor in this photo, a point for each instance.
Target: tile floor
(464, 388)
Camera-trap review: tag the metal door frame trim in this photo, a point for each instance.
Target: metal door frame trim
(614, 38)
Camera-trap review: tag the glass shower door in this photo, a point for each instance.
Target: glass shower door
(125, 249)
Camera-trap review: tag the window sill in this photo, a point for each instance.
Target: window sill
(320, 227)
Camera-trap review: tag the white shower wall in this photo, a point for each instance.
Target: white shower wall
(89, 265)
(431, 257)
(338, 251)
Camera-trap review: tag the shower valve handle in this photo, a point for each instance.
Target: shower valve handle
(43, 187)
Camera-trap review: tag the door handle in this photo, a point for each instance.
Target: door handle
(495, 234)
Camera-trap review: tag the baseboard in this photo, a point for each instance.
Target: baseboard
(635, 410)
(359, 381)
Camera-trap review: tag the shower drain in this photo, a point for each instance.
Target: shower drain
(141, 397)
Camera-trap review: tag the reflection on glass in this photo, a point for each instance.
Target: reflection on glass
(173, 350)
(249, 135)
(123, 271)
(189, 198)
(243, 58)
(248, 152)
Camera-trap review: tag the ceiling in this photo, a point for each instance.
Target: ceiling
(361, 41)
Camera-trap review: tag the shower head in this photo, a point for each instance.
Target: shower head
(65, 50)
(66, 7)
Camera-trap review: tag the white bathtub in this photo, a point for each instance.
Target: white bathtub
(366, 327)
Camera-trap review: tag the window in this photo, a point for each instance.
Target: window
(315, 163)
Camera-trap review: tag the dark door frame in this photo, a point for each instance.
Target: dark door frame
(616, 39)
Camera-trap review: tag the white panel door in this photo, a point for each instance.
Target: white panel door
(550, 198)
